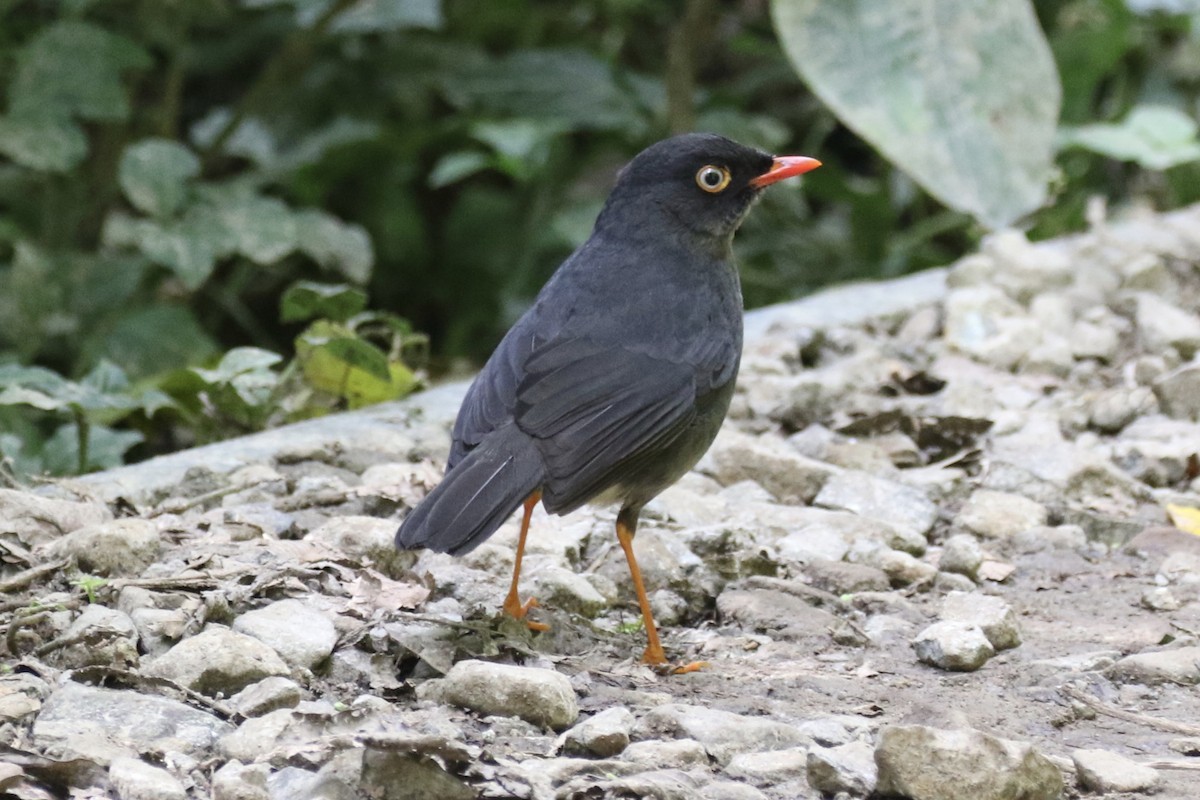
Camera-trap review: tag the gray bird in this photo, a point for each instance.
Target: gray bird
(615, 382)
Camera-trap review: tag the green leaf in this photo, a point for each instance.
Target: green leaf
(43, 143)
(73, 68)
(189, 247)
(251, 139)
(150, 341)
(305, 300)
(154, 175)
(371, 16)
(356, 353)
(1155, 137)
(263, 228)
(453, 167)
(106, 448)
(962, 95)
(335, 245)
(239, 361)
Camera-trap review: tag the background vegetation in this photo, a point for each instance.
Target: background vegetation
(217, 215)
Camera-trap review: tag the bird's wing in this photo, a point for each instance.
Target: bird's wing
(591, 406)
(489, 401)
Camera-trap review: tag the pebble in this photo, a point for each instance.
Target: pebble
(901, 506)
(267, 695)
(134, 779)
(238, 781)
(357, 536)
(989, 613)
(789, 476)
(723, 734)
(604, 735)
(773, 611)
(540, 696)
(669, 753)
(951, 645)
(962, 554)
(1103, 771)
(1161, 325)
(848, 768)
(1180, 665)
(561, 588)
(841, 577)
(923, 763)
(302, 636)
(118, 548)
(217, 661)
(769, 768)
(997, 515)
(37, 520)
(902, 569)
(99, 635)
(1178, 392)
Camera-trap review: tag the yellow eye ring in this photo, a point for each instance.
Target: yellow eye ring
(713, 179)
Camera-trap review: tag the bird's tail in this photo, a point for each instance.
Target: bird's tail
(476, 496)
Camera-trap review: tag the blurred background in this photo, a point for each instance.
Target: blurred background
(219, 215)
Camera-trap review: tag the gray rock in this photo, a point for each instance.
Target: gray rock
(722, 733)
(421, 777)
(37, 521)
(986, 324)
(302, 636)
(1179, 392)
(999, 514)
(160, 628)
(217, 661)
(257, 736)
(769, 768)
(848, 768)
(775, 612)
(238, 781)
(99, 635)
(1095, 340)
(900, 506)
(539, 696)
(668, 754)
(1160, 598)
(1104, 771)
(1113, 409)
(119, 547)
(558, 587)
(269, 694)
(1161, 325)
(729, 790)
(1181, 666)
(901, 568)
(990, 614)
(605, 734)
(956, 646)
(961, 554)
(357, 536)
(924, 763)
(789, 476)
(660, 785)
(80, 721)
(134, 779)
(21, 696)
(841, 577)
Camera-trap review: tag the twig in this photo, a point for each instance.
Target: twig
(23, 579)
(1173, 763)
(100, 673)
(1130, 716)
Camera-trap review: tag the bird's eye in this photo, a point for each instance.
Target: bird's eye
(712, 179)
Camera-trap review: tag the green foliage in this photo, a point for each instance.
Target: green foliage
(204, 205)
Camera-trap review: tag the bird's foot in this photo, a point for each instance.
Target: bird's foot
(518, 610)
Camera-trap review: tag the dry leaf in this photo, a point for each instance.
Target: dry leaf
(371, 591)
(1186, 518)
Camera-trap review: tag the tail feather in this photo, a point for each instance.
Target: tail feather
(476, 496)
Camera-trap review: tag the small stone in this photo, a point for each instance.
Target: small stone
(302, 636)
(99, 635)
(257, 736)
(1104, 771)
(729, 790)
(134, 779)
(946, 582)
(846, 768)
(217, 661)
(357, 536)
(902, 568)
(1185, 745)
(898, 505)
(770, 462)
(558, 587)
(1094, 340)
(266, 696)
(769, 768)
(774, 612)
(1111, 410)
(1161, 325)
(841, 577)
(957, 646)
(1179, 392)
(605, 735)
(1181, 665)
(420, 777)
(930, 764)
(37, 521)
(722, 733)
(238, 781)
(119, 547)
(1160, 598)
(994, 514)
(669, 754)
(539, 696)
(962, 554)
(1046, 537)
(990, 614)
(159, 628)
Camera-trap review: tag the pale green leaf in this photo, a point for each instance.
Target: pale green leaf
(305, 300)
(1155, 137)
(154, 174)
(453, 167)
(335, 245)
(153, 340)
(43, 143)
(263, 228)
(962, 95)
(106, 448)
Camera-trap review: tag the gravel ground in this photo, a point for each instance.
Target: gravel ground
(929, 556)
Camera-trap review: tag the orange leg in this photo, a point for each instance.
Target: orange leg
(512, 604)
(626, 528)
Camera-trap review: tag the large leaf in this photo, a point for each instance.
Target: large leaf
(74, 68)
(962, 95)
(264, 228)
(189, 247)
(150, 341)
(305, 300)
(154, 175)
(335, 245)
(106, 448)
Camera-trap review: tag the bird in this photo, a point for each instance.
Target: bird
(615, 381)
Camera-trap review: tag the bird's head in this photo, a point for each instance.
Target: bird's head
(696, 184)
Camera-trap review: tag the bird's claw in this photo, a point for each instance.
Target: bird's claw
(518, 610)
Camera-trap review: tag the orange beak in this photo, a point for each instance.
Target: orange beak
(785, 167)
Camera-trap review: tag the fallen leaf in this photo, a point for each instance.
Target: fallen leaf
(1186, 518)
(998, 571)
(371, 591)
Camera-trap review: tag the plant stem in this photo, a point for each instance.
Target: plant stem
(684, 41)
